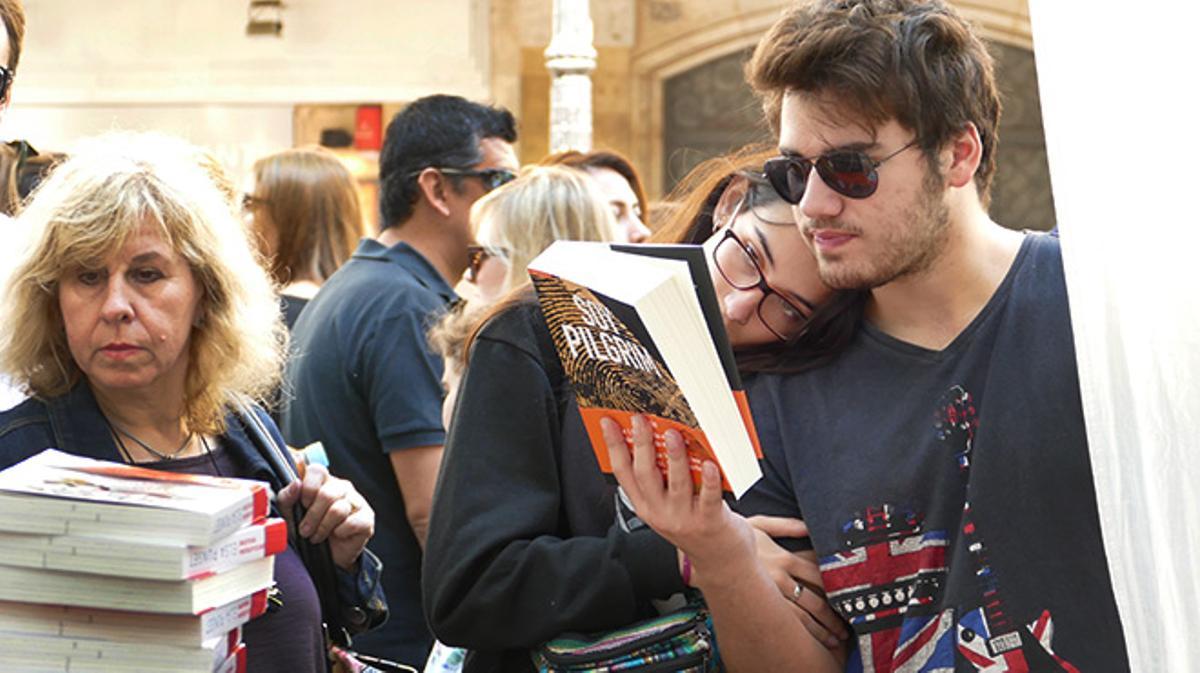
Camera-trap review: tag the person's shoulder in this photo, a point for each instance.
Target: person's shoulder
(1039, 267)
(520, 326)
(359, 301)
(30, 411)
(518, 322)
(24, 430)
(1045, 243)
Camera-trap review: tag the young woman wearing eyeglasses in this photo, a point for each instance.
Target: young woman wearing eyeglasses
(523, 544)
(304, 211)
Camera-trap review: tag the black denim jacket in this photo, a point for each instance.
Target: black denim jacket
(73, 423)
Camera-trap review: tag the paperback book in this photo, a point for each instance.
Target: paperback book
(183, 630)
(70, 654)
(57, 493)
(638, 331)
(54, 587)
(145, 558)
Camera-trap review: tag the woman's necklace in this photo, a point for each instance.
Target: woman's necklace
(211, 459)
(118, 431)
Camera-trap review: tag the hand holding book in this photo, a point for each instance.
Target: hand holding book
(700, 524)
(723, 547)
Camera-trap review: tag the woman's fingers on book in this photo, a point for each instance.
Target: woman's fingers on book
(619, 458)
(679, 475)
(711, 504)
(645, 462)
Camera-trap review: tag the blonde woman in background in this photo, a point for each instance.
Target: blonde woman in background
(516, 222)
(513, 224)
(305, 212)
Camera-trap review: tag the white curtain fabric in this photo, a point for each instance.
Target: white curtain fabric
(1119, 88)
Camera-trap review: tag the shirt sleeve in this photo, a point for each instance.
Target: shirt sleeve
(403, 382)
(499, 571)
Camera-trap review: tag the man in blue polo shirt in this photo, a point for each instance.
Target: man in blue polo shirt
(364, 380)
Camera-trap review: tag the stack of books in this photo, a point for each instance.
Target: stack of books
(112, 567)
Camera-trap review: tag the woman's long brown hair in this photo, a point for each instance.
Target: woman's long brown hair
(830, 328)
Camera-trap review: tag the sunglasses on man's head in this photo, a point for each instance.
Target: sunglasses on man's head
(491, 177)
(851, 173)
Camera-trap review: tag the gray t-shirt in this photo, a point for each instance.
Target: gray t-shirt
(949, 493)
(365, 383)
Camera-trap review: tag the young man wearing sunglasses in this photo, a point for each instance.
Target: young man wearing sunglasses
(365, 381)
(940, 463)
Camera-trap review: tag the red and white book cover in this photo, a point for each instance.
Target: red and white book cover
(187, 631)
(234, 663)
(59, 493)
(143, 558)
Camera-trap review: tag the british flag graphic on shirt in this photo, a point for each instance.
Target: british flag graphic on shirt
(888, 580)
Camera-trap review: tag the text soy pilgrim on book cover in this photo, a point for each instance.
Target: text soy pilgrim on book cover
(618, 369)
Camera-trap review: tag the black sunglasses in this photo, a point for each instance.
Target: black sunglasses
(6, 78)
(850, 173)
(476, 256)
(491, 177)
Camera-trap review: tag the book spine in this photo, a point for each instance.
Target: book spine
(222, 619)
(250, 511)
(743, 405)
(253, 542)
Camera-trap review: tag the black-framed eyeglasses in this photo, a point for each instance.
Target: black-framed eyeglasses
(490, 177)
(851, 173)
(476, 256)
(6, 78)
(783, 317)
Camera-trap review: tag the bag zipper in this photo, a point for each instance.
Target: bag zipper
(683, 627)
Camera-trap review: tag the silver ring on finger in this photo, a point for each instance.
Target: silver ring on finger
(797, 592)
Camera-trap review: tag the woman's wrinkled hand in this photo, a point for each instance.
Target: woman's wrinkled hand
(335, 511)
(798, 576)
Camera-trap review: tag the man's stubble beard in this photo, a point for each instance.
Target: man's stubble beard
(904, 252)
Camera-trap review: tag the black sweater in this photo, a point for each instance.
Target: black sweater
(522, 546)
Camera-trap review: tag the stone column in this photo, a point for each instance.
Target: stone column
(571, 58)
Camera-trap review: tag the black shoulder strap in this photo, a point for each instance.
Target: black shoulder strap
(317, 558)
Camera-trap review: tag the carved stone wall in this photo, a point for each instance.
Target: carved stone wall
(708, 111)
(1021, 197)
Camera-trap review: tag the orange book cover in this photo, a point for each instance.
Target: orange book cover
(617, 371)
